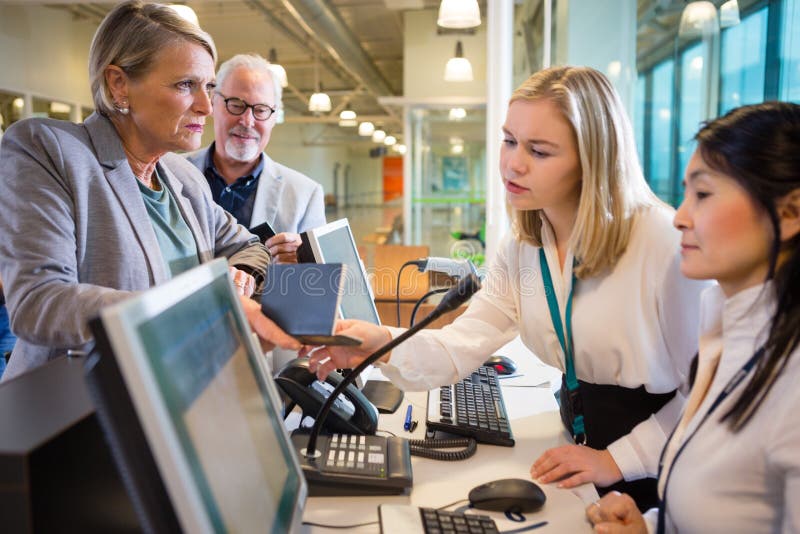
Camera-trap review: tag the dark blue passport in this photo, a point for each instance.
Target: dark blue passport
(303, 300)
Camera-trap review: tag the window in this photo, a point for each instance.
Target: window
(659, 170)
(743, 65)
(638, 116)
(692, 107)
(790, 52)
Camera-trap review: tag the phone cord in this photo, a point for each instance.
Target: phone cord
(427, 448)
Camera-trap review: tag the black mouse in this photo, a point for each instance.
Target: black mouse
(502, 364)
(508, 495)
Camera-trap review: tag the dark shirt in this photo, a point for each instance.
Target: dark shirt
(239, 197)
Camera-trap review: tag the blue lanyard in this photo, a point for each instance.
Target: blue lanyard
(732, 384)
(578, 431)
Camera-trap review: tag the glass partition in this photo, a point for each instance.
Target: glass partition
(448, 170)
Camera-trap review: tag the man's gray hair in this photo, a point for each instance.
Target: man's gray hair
(252, 62)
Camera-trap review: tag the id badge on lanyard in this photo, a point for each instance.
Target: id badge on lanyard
(565, 339)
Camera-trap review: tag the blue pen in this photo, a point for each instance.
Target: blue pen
(407, 424)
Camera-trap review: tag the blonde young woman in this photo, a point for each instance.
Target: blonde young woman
(586, 225)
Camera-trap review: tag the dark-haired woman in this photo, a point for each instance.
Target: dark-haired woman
(733, 462)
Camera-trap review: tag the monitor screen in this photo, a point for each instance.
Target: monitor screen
(208, 407)
(334, 243)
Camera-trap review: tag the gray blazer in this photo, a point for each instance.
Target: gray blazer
(75, 234)
(288, 200)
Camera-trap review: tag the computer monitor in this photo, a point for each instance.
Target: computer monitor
(334, 243)
(207, 406)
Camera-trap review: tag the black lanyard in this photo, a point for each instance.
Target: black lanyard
(732, 384)
(565, 339)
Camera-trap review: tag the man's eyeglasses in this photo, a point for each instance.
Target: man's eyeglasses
(237, 106)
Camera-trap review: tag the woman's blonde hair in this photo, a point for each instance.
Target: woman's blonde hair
(130, 37)
(613, 188)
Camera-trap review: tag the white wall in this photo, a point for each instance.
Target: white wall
(290, 144)
(365, 182)
(45, 52)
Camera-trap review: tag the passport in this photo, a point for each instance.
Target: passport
(303, 299)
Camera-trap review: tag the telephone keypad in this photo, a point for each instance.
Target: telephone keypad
(362, 455)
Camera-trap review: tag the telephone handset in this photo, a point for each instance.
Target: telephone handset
(352, 413)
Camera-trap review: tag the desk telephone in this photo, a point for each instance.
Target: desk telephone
(340, 470)
(352, 413)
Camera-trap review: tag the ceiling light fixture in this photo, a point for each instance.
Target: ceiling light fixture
(457, 114)
(378, 136)
(729, 14)
(459, 14)
(698, 19)
(365, 129)
(347, 119)
(458, 68)
(60, 108)
(399, 148)
(185, 12)
(390, 140)
(319, 102)
(277, 70)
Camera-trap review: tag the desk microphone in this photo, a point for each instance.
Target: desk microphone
(455, 297)
(457, 268)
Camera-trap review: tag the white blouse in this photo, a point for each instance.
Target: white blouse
(748, 481)
(635, 325)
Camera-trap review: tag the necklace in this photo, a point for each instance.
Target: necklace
(149, 181)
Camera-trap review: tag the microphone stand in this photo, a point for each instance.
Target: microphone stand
(454, 298)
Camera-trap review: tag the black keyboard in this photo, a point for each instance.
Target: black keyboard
(396, 519)
(473, 407)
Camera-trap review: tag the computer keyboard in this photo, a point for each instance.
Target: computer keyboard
(396, 519)
(473, 407)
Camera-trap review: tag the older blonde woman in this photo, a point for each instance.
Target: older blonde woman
(94, 211)
(593, 254)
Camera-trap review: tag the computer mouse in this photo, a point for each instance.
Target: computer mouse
(502, 364)
(508, 495)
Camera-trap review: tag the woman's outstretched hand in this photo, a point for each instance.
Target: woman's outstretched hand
(325, 359)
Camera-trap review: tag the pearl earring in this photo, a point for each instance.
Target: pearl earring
(122, 108)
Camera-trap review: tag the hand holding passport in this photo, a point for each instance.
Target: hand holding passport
(303, 299)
